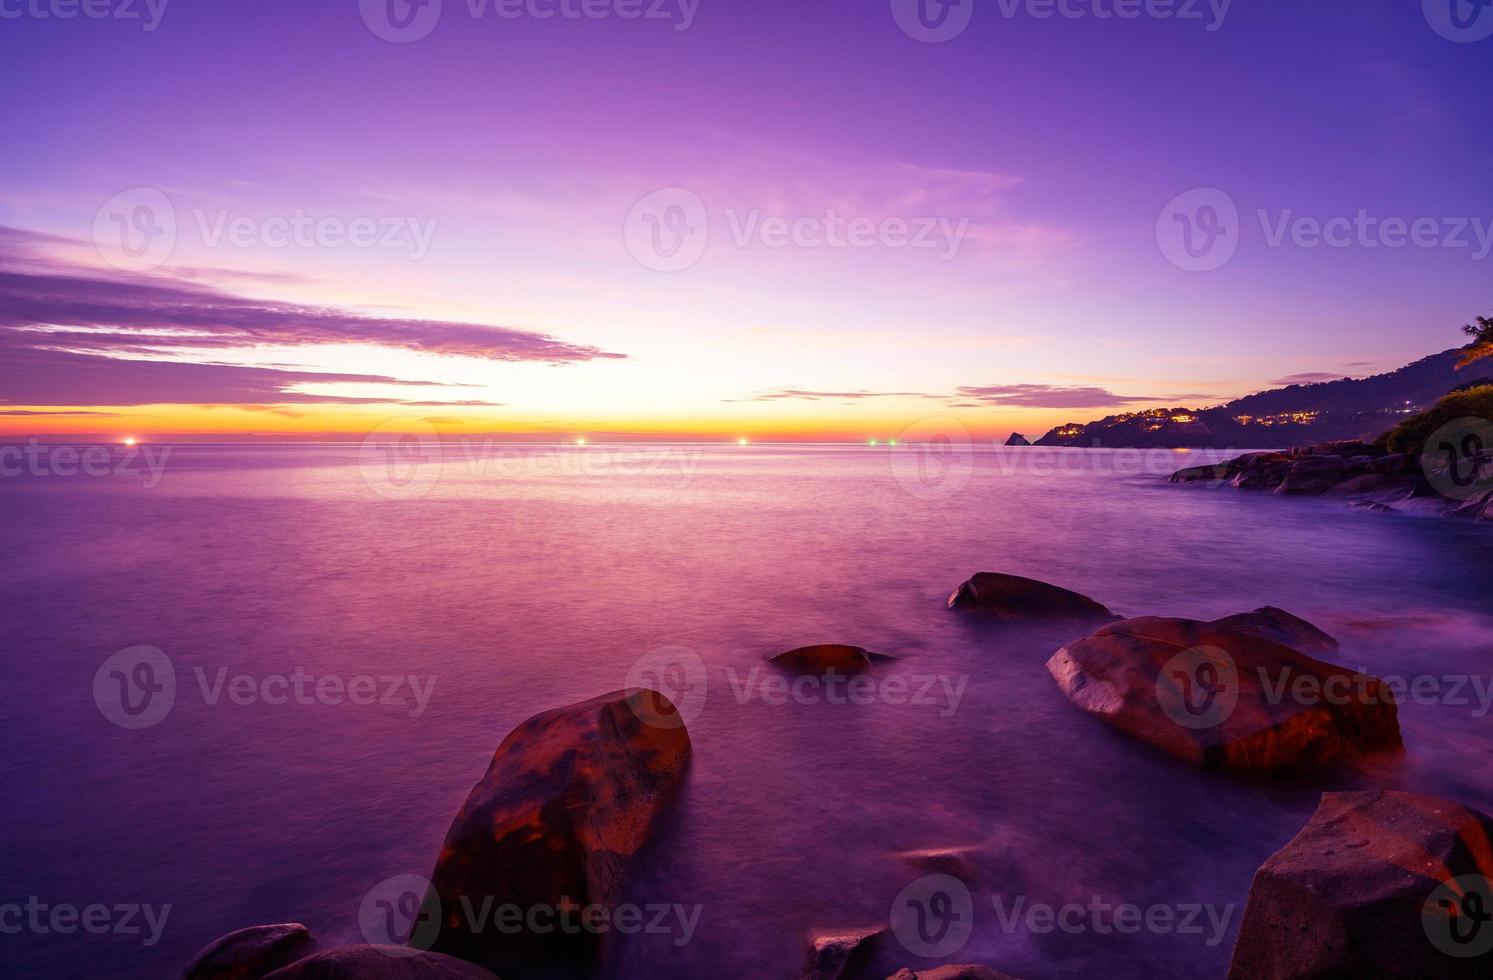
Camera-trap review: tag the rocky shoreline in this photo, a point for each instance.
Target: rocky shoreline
(1365, 475)
(1379, 882)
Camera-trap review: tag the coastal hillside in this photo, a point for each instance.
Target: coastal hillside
(1346, 409)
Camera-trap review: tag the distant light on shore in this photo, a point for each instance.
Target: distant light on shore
(870, 442)
(129, 440)
(741, 442)
(580, 441)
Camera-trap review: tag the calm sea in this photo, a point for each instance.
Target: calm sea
(505, 581)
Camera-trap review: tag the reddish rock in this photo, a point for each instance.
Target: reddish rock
(824, 657)
(1226, 698)
(1012, 597)
(380, 963)
(249, 954)
(966, 971)
(1280, 626)
(957, 862)
(841, 953)
(1360, 892)
(570, 797)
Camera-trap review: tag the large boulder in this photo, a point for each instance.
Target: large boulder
(570, 797)
(1224, 697)
(825, 657)
(1017, 439)
(843, 953)
(380, 963)
(1012, 597)
(1378, 884)
(249, 954)
(964, 971)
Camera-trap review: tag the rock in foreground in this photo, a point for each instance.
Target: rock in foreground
(380, 963)
(840, 954)
(570, 797)
(1378, 884)
(1225, 697)
(965, 971)
(249, 954)
(1012, 597)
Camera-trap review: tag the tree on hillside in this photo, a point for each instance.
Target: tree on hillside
(1481, 333)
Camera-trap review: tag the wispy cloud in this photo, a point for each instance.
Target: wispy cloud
(74, 335)
(1306, 378)
(800, 394)
(1055, 396)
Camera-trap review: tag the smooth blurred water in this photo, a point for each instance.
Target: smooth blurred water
(538, 576)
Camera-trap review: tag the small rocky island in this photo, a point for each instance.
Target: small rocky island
(1366, 475)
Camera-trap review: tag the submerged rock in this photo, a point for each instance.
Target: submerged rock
(957, 862)
(966, 971)
(826, 656)
(570, 797)
(1226, 697)
(839, 954)
(1377, 884)
(249, 954)
(380, 963)
(1280, 626)
(1012, 597)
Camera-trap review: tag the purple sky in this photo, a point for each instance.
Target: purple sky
(1038, 154)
